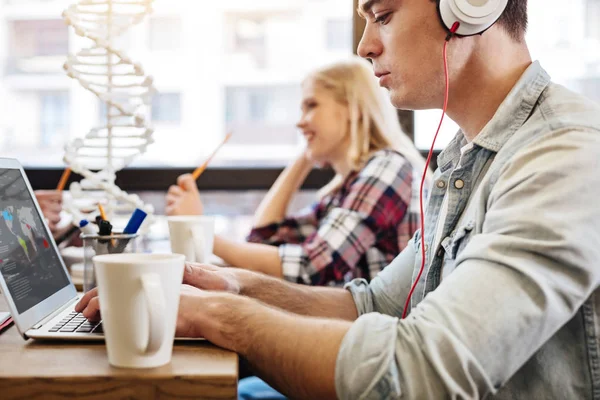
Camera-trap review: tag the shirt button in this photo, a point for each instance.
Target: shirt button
(459, 184)
(440, 252)
(441, 184)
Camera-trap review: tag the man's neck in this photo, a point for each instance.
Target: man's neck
(484, 83)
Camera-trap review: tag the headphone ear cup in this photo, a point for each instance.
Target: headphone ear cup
(474, 16)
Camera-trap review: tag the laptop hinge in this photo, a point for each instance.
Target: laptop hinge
(55, 313)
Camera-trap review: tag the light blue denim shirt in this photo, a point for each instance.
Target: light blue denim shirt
(517, 313)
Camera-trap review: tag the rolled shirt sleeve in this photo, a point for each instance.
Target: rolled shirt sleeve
(293, 229)
(384, 293)
(367, 369)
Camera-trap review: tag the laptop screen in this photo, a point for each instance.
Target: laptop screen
(29, 263)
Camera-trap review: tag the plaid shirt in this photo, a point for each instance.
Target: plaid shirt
(355, 231)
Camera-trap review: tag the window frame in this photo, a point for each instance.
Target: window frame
(159, 179)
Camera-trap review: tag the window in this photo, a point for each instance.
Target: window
(54, 118)
(101, 111)
(426, 123)
(248, 38)
(217, 66)
(35, 45)
(565, 39)
(166, 108)
(39, 38)
(592, 25)
(263, 115)
(339, 35)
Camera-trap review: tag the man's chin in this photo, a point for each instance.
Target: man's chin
(402, 101)
(398, 101)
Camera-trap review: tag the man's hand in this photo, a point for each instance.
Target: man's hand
(202, 276)
(210, 277)
(89, 305)
(51, 204)
(216, 316)
(184, 198)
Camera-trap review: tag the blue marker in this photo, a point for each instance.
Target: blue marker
(135, 222)
(86, 227)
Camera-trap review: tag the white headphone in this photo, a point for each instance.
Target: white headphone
(474, 16)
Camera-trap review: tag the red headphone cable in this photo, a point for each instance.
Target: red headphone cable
(414, 285)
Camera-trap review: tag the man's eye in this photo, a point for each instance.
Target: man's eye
(382, 19)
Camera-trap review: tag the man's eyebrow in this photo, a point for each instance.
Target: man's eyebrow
(365, 9)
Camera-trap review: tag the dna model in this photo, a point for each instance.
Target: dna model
(123, 87)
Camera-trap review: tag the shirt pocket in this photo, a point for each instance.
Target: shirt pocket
(454, 244)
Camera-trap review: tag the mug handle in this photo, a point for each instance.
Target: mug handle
(198, 241)
(156, 311)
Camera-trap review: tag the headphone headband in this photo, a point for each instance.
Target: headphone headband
(474, 16)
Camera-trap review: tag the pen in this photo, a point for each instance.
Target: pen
(102, 213)
(198, 171)
(104, 245)
(63, 179)
(131, 228)
(105, 228)
(135, 221)
(86, 227)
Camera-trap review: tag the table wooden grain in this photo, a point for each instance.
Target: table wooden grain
(67, 370)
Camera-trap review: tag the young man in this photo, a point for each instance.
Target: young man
(508, 304)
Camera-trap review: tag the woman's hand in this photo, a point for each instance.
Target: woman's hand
(184, 198)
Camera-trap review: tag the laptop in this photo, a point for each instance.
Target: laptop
(33, 277)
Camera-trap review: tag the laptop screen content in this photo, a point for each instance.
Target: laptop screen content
(28, 261)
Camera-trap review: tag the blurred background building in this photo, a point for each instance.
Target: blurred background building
(230, 65)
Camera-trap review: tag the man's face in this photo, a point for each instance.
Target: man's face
(404, 39)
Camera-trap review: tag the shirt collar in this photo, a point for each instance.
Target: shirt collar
(510, 116)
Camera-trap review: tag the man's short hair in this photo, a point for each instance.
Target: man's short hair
(514, 19)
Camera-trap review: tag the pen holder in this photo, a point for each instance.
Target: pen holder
(98, 245)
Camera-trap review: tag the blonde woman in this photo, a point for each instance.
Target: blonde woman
(362, 219)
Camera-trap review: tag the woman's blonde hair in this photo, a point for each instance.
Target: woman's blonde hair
(373, 120)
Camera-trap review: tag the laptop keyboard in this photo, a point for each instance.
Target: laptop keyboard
(76, 323)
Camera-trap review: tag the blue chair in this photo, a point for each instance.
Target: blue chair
(254, 388)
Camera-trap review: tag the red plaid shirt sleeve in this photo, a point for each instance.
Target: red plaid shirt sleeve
(293, 229)
(377, 200)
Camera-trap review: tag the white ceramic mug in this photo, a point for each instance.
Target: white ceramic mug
(192, 236)
(139, 300)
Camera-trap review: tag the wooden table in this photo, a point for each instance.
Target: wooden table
(67, 370)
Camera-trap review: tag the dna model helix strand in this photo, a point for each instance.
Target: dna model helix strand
(126, 91)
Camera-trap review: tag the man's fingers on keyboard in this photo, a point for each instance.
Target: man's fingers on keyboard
(92, 311)
(79, 307)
